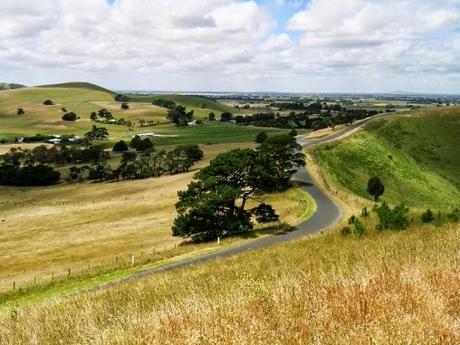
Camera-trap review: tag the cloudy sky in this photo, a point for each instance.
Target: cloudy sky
(234, 45)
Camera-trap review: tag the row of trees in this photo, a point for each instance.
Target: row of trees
(306, 120)
(139, 166)
(216, 202)
(55, 155)
(26, 168)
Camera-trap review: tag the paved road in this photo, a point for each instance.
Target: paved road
(327, 213)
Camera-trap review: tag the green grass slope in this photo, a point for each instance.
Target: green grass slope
(78, 85)
(416, 156)
(201, 105)
(83, 98)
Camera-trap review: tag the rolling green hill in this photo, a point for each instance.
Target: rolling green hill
(78, 85)
(202, 105)
(416, 156)
(10, 86)
(83, 98)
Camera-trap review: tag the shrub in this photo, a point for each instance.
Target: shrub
(392, 219)
(427, 216)
(70, 116)
(352, 219)
(120, 146)
(359, 228)
(365, 212)
(124, 106)
(48, 102)
(293, 133)
(20, 111)
(345, 231)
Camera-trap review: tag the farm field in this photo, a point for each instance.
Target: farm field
(325, 287)
(414, 154)
(83, 98)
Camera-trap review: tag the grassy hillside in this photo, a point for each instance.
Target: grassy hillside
(83, 98)
(385, 288)
(79, 85)
(416, 156)
(201, 105)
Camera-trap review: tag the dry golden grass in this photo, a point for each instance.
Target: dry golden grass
(321, 133)
(48, 230)
(385, 288)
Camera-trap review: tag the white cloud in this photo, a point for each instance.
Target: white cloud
(231, 44)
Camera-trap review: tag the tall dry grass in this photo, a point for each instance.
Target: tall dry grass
(386, 288)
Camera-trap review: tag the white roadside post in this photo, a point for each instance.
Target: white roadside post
(218, 241)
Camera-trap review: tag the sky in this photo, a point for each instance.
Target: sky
(234, 45)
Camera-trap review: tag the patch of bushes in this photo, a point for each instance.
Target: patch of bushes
(48, 102)
(396, 218)
(357, 227)
(454, 216)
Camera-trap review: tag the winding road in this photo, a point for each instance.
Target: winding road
(327, 213)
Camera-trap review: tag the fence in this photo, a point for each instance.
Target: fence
(112, 264)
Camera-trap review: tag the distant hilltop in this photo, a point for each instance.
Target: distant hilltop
(10, 86)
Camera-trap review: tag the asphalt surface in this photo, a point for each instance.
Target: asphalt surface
(327, 214)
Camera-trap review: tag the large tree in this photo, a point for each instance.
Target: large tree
(215, 203)
(180, 116)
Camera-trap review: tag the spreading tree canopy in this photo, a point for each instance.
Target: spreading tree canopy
(215, 203)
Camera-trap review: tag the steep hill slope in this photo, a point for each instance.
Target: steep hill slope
(416, 156)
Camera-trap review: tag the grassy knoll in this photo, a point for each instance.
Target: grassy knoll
(79, 85)
(52, 229)
(416, 155)
(391, 287)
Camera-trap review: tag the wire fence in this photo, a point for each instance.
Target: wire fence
(94, 268)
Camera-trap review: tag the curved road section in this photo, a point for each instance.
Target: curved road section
(327, 213)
